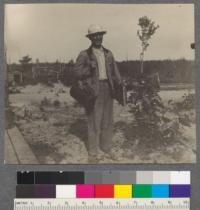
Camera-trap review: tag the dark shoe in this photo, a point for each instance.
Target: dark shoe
(113, 155)
(93, 159)
(98, 156)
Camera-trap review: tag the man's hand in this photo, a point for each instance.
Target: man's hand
(124, 83)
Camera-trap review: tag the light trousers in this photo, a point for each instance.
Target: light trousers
(100, 121)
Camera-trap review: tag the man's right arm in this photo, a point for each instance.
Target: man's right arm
(81, 68)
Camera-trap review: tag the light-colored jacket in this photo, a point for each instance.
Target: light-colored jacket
(84, 71)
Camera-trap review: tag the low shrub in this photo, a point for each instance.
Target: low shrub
(45, 102)
(56, 103)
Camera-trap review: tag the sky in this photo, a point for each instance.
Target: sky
(57, 31)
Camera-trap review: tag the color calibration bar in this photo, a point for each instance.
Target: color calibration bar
(105, 177)
(103, 191)
(102, 204)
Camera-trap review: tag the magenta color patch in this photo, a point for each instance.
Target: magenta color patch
(85, 191)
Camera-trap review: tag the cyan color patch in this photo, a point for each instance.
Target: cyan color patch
(160, 191)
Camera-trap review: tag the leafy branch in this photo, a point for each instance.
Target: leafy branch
(146, 31)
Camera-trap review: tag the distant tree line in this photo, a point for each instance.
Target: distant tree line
(170, 71)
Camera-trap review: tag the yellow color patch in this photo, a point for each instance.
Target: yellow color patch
(122, 191)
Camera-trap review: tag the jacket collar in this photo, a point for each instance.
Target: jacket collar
(89, 51)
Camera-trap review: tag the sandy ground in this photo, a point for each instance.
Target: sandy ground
(57, 133)
(176, 95)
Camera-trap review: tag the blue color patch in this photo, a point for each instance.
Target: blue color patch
(160, 191)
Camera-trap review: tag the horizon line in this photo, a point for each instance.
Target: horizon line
(129, 60)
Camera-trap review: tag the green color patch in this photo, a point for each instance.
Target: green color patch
(142, 191)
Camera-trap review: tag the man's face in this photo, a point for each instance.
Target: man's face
(96, 39)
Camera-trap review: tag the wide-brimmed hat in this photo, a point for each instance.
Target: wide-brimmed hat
(94, 29)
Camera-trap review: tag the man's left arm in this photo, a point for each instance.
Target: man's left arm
(116, 71)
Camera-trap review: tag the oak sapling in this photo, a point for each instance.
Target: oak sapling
(147, 106)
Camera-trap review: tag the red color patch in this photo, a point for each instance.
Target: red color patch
(104, 191)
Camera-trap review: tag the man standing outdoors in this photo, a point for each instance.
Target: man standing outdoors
(97, 66)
